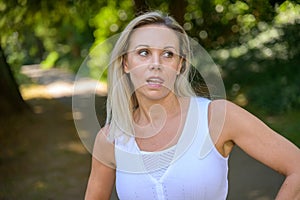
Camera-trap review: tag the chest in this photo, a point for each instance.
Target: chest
(186, 177)
(196, 170)
(162, 136)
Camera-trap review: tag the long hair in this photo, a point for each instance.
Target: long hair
(121, 100)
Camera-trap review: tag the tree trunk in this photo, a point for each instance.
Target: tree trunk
(274, 2)
(177, 10)
(11, 100)
(140, 6)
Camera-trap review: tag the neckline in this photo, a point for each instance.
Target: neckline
(171, 148)
(187, 119)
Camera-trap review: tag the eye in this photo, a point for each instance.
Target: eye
(143, 52)
(168, 54)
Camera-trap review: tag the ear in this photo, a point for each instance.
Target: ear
(125, 64)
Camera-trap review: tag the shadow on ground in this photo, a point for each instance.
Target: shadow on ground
(41, 155)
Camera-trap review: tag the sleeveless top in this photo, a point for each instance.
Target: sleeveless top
(192, 169)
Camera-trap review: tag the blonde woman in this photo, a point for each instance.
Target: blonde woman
(161, 141)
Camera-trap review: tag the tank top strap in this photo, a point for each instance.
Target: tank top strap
(204, 140)
(196, 120)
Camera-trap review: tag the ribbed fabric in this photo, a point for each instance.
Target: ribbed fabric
(156, 164)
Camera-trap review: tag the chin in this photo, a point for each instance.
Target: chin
(156, 95)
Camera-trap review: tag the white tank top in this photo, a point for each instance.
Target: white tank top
(193, 169)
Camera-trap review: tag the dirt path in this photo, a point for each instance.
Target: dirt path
(42, 157)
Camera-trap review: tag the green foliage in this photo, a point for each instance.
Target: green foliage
(264, 67)
(255, 43)
(219, 23)
(109, 21)
(50, 60)
(54, 33)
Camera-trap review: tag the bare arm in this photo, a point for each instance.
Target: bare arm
(101, 182)
(260, 142)
(102, 177)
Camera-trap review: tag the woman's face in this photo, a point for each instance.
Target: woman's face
(153, 60)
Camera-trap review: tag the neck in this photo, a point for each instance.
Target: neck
(159, 122)
(152, 111)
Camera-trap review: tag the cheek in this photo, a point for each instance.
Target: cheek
(173, 65)
(137, 77)
(170, 77)
(134, 60)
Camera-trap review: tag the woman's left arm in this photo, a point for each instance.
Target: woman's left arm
(263, 144)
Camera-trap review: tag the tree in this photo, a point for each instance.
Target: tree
(62, 33)
(176, 8)
(34, 31)
(10, 97)
(11, 100)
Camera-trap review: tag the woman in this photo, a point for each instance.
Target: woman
(163, 142)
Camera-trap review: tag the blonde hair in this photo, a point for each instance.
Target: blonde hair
(121, 100)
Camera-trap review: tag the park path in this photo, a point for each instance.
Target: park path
(248, 179)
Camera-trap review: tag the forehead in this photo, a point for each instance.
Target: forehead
(156, 36)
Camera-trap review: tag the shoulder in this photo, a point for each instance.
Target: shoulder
(102, 136)
(252, 135)
(231, 116)
(227, 110)
(225, 120)
(233, 122)
(200, 99)
(104, 147)
(222, 103)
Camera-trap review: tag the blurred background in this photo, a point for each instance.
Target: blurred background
(255, 44)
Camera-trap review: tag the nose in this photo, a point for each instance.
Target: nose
(155, 63)
(154, 66)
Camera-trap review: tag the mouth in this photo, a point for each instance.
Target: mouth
(155, 82)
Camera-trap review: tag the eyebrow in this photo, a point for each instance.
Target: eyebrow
(141, 45)
(145, 45)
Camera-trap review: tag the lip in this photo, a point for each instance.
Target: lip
(155, 82)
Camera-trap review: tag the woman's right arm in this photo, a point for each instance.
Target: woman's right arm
(102, 177)
(101, 181)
